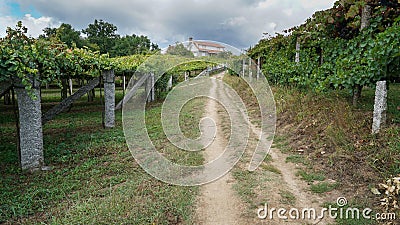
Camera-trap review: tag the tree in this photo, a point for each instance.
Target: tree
(179, 49)
(69, 35)
(65, 33)
(101, 34)
(225, 55)
(131, 45)
(48, 32)
(154, 47)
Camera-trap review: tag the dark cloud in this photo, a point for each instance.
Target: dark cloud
(240, 23)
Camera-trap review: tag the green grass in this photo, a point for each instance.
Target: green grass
(280, 142)
(393, 102)
(94, 178)
(327, 122)
(310, 176)
(248, 97)
(287, 197)
(245, 185)
(271, 168)
(350, 220)
(323, 187)
(335, 137)
(299, 159)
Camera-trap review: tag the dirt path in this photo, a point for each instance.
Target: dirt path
(288, 181)
(219, 203)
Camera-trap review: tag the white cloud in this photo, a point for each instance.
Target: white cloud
(240, 23)
(288, 12)
(235, 21)
(272, 26)
(267, 4)
(316, 4)
(35, 25)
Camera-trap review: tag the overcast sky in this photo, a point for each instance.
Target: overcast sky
(240, 23)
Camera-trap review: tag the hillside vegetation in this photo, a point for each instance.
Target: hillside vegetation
(323, 74)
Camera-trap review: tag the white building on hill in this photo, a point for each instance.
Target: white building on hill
(204, 48)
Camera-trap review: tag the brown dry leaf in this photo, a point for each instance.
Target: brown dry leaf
(375, 191)
(391, 190)
(383, 186)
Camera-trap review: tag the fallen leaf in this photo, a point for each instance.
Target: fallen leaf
(375, 191)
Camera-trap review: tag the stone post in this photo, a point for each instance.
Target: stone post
(244, 65)
(70, 87)
(258, 67)
(169, 85)
(124, 83)
(149, 88)
(297, 59)
(380, 107)
(365, 16)
(30, 127)
(152, 90)
(365, 22)
(109, 98)
(250, 71)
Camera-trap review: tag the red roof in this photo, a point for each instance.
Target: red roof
(210, 51)
(211, 44)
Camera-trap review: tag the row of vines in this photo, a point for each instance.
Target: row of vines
(24, 60)
(336, 51)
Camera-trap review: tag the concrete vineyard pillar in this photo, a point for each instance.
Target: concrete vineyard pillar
(109, 98)
(124, 83)
(365, 22)
(147, 88)
(30, 128)
(365, 16)
(169, 85)
(70, 87)
(150, 88)
(258, 67)
(243, 69)
(250, 72)
(380, 107)
(297, 59)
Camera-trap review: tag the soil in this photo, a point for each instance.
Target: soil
(218, 203)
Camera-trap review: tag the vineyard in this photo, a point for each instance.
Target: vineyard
(325, 74)
(350, 46)
(44, 83)
(65, 159)
(50, 61)
(29, 64)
